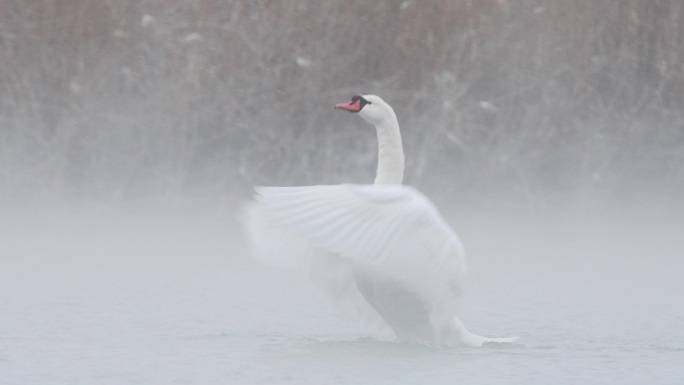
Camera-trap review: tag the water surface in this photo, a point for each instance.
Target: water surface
(170, 299)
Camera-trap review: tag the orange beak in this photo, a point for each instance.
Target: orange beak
(351, 106)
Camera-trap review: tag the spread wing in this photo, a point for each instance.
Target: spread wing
(393, 231)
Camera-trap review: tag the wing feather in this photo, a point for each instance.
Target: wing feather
(333, 275)
(393, 229)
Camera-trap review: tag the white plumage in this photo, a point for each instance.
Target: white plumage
(380, 253)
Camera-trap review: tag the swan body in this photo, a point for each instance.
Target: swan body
(380, 253)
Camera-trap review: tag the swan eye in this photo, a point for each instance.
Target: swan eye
(360, 98)
(355, 105)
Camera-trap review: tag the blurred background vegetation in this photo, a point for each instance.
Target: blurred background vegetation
(116, 99)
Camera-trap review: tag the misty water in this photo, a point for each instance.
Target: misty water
(162, 294)
(550, 134)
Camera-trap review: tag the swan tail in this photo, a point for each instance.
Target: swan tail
(468, 339)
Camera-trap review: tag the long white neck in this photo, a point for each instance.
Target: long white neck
(390, 152)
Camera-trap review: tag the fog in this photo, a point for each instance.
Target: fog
(550, 136)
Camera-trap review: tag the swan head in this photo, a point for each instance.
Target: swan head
(371, 108)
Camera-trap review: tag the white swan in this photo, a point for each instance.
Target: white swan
(381, 253)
